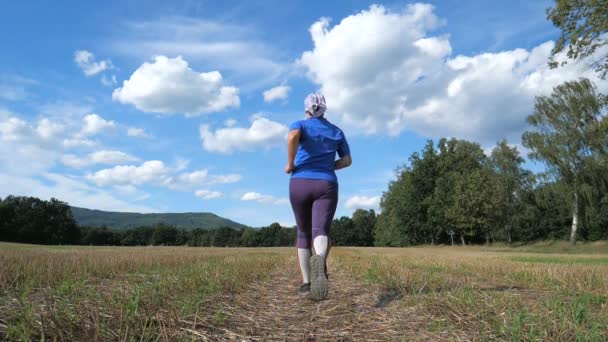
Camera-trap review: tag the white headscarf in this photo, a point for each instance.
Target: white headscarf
(314, 105)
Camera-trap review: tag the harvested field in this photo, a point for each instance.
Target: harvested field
(376, 294)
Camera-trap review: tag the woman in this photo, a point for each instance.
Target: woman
(312, 144)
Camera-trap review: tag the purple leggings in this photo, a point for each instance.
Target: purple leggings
(314, 204)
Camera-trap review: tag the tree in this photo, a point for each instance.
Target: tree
(391, 226)
(584, 26)
(510, 180)
(363, 224)
(139, 236)
(100, 237)
(569, 133)
(225, 237)
(164, 235)
(32, 220)
(472, 208)
(249, 238)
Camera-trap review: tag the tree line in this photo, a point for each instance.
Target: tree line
(32, 220)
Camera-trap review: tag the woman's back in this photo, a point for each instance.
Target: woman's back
(320, 140)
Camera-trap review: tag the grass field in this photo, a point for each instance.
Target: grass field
(180, 293)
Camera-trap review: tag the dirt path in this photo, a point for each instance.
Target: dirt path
(272, 310)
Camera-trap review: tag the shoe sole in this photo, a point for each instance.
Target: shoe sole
(318, 283)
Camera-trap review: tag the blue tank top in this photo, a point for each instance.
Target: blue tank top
(320, 140)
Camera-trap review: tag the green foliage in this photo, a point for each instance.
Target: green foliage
(30, 219)
(472, 210)
(511, 183)
(570, 135)
(583, 25)
(358, 231)
(164, 235)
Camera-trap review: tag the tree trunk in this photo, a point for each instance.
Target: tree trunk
(462, 239)
(574, 219)
(509, 236)
(487, 239)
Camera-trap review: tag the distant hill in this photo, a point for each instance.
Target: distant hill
(119, 220)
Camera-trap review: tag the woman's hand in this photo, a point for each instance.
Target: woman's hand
(346, 161)
(289, 168)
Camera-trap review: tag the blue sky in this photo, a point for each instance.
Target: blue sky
(183, 106)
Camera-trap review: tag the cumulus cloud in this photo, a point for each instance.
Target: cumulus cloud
(363, 202)
(169, 85)
(157, 173)
(86, 61)
(137, 132)
(190, 180)
(94, 124)
(257, 197)
(262, 133)
(216, 44)
(276, 93)
(152, 171)
(69, 189)
(383, 72)
(98, 157)
(207, 194)
(29, 147)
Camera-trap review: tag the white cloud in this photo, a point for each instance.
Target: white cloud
(30, 149)
(383, 72)
(137, 132)
(157, 173)
(262, 133)
(215, 44)
(94, 124)
(153, 171)
(169, 85)
(207, 195)
(78, 142)
(109, 81)
(27, 148)
(67, 189)
(48, 129)
(86, 61)
(190, 180)
(225, 179)
(98, 157)
(363, 202)
(276, 93)
(257, 197)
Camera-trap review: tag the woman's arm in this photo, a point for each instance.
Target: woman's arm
(293, 139)
(343, 162)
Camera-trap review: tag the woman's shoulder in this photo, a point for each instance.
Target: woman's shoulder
(333, 126)
(296, 125)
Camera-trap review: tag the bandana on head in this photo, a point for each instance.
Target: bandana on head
(314, 105)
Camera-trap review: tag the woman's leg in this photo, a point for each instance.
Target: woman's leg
(323, 210)
(301, 203)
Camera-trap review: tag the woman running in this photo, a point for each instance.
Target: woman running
(312, 144)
